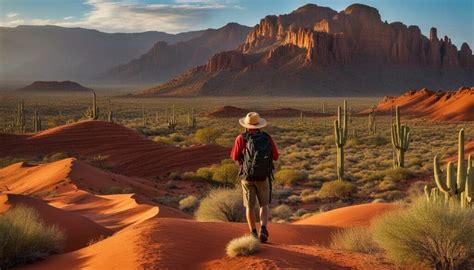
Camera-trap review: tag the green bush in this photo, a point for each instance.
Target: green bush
(207, 135)
(226, 173)
(437, 235)
(397, 174)
(242, 246)
(189, 203)
(205, 173)
(357, 239)
(337, 189)
(25, 238)
(222, 204)
(289, 176)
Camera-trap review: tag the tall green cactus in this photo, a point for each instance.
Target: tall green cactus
(20, 122)
(36, 122)
(110, 114)
(192, 121)
(144, 120)
(340, 136)
(172, 123)
(93, 112)
(454, 184)
(400, 140)
(372, 123)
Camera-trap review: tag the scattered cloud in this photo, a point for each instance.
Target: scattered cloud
(12, 15)
(132, 16)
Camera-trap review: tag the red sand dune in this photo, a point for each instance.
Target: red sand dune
(351, 216)
(234, 112)
(78, 229)
(435, 106)
(187, 244)
(127, 151)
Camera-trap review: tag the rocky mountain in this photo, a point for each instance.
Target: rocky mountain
(318, 51)
(54, 86)
(58, 53)
(164, 61)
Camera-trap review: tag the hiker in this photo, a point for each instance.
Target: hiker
(255, 152)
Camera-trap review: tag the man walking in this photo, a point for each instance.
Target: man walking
(255, 152)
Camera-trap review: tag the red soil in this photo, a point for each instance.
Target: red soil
(351, 216)
(435, 106)
(234, 112)
(125, 150)
(78, 230)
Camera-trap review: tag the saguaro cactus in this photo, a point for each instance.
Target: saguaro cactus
(20, 117)
(372, 123)
(36, 122)
(110, 114)
(340, 136)
(93, 112)
(144, 120)
(454, 184)
(400, 140)
(172, 123)
(192, 119)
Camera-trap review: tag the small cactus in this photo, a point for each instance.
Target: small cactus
(372, 123)
(93, 112)
(400, 140)
(192, 121)
(144, 120)
(36, 122)
(20, 122)
(172, 123)
(454, 184)
(110, 113)
(340, 136)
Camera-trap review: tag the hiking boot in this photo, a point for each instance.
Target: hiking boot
(264, 234)
(254, 233)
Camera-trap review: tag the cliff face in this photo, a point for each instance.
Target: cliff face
(163, 61)
(315, 47)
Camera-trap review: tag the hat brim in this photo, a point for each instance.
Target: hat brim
(262, 123)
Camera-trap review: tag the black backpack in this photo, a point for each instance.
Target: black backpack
(258, 162)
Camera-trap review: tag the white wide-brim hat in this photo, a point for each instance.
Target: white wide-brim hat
(252, 120)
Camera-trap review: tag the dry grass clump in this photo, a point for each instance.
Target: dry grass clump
(337, 189)
(289, 176)
(222, 204)
(437, 235)
(25, 238)
(207, 135)
(189, 203)
(242, 246)
(281, 212)
(357, 239)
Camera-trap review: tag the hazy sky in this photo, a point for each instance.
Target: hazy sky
(454, 18)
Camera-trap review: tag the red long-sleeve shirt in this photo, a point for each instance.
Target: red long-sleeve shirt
(237, 152)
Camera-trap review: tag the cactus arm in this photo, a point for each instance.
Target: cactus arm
(437, 175)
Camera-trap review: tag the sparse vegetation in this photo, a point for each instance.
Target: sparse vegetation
(358, 239)
(436, 234)
(337, 189)
(289, 176)
(25, 238)
(189, 203)
(242, 246)
(207, 135)
(222, 204)
(282, 212)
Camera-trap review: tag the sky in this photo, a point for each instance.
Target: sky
(454, 18)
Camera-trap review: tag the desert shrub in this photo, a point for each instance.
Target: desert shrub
(397, 174)
(416, 190)
(205, 173)
(207, 135)
(189, 203)
(175, 176)
(222, 204)
(162, 139)
(55, 157)
(281, 211)
(281, 193)
(167, 200)
(357, 239)
(289, 176)
(353, 142)
(437, 235)
(301, 212)
(171, 184)
(226, 173)
(175, 137)
(114, 190)
(24, 237)
(242, 246)
(337, 189)
(376, 140)
(189, 176)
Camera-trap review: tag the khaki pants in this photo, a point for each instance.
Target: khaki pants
(253, 190)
